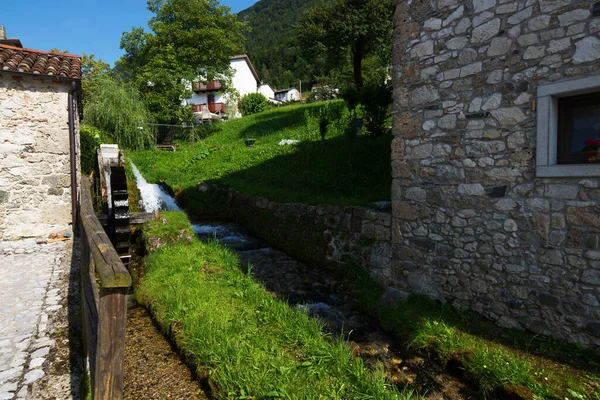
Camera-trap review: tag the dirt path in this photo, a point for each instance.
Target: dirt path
(153, 370)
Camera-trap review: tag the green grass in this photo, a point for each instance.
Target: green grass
(337, 170)
(493, 358)
(248, 344)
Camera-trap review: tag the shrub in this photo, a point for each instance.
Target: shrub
(90, 138)
(253, 103)
(322, 93)
(376, 100)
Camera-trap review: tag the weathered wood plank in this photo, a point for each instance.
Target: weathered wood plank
(90, 303)
(103, 313)
(111, 343)
(136, 218)
(109, 267)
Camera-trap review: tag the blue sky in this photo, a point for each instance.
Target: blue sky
(91, 26)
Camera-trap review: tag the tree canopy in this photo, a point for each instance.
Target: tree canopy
(188, 39)
(349, 29)
(117, 109)
(92, 71)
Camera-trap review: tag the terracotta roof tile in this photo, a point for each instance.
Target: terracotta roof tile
(38, 62)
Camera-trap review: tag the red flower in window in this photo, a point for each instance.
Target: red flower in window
(591, 149)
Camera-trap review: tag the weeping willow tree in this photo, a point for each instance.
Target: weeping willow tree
(117, 109)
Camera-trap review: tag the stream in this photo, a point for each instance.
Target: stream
(323, 298)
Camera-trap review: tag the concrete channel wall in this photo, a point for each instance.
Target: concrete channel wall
(321, 235)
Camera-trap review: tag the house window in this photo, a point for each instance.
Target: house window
(578, 129)
(568, 128)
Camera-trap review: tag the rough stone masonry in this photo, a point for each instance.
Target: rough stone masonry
(471, 224)
(34, 157)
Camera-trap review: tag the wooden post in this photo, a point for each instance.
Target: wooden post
(111, 344)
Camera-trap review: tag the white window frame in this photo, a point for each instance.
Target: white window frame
(547, 127)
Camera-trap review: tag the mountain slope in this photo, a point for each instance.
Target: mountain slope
(271, 42)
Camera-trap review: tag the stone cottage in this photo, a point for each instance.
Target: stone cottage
(38, 140)
(496, 189)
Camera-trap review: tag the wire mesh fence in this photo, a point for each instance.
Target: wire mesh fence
(166, 135)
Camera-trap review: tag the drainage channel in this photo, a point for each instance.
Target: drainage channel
(324, 298)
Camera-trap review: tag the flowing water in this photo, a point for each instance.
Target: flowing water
(153, 197)
(312, 290)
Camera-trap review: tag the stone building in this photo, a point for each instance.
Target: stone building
(496, 189)
(35, 157)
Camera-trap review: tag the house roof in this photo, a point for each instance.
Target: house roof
(266, 84)
(285, 90)
(245, 57)
(39, 63)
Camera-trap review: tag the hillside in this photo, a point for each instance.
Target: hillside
(271, 41)
(337, 170)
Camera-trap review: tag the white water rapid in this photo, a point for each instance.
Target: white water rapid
(153, 197)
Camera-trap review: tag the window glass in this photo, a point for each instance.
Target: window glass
(579, 129)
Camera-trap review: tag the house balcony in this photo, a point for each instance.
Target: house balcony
(212, 107)
(213, 86)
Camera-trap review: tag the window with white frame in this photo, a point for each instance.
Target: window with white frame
(568, 128)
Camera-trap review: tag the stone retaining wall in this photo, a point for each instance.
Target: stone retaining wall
(472, 224)
(320, 235)
(35, 194)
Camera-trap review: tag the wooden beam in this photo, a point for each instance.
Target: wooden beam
(104, 312)
(111, 343)
(135, 218)
(110, 269)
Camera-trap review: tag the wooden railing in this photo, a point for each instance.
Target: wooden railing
(105, 283)
(212, 86)
(212, 107)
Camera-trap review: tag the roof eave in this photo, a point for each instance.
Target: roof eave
(40, 76)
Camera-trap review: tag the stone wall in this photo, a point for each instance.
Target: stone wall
(35, 194)
(322, 235)
(471, 224)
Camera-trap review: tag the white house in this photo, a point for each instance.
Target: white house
(267, 91)
(291, 94)
(245, 80)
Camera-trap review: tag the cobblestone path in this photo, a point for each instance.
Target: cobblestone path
(31, 290)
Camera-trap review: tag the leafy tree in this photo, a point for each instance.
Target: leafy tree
(117, 109)
(57, 50)
(189, 39)
(92, 71)
(355, 28)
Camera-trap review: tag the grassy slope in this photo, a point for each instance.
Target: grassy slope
(335, 171)
(249, 344)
